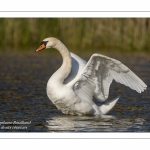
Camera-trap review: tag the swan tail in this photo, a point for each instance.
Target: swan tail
(105, 108)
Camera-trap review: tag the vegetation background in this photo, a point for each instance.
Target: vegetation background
(78, 34)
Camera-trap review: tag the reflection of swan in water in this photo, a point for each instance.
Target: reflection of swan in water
(73, 86)
(93, 124)
(77, 123)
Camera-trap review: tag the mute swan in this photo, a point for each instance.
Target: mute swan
(72, 87)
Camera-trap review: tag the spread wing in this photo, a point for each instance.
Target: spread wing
(98, 74)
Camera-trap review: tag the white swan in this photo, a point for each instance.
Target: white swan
(72, 87)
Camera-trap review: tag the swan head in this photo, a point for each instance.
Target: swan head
(47, 43)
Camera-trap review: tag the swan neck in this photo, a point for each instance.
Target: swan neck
(65, 68)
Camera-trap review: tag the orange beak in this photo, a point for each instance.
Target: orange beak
(41, 48)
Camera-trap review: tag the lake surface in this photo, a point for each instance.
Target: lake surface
(25, 107)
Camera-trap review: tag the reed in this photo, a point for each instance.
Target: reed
(79, 34)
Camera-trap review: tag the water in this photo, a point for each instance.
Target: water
(25, 107)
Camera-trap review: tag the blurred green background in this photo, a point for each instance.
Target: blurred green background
(78, 34)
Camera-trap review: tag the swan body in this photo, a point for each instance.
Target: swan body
(72, 87)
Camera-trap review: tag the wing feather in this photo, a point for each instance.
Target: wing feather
(98, 74)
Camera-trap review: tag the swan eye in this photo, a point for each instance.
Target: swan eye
(43, 42)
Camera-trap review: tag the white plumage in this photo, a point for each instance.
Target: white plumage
(72, 87)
